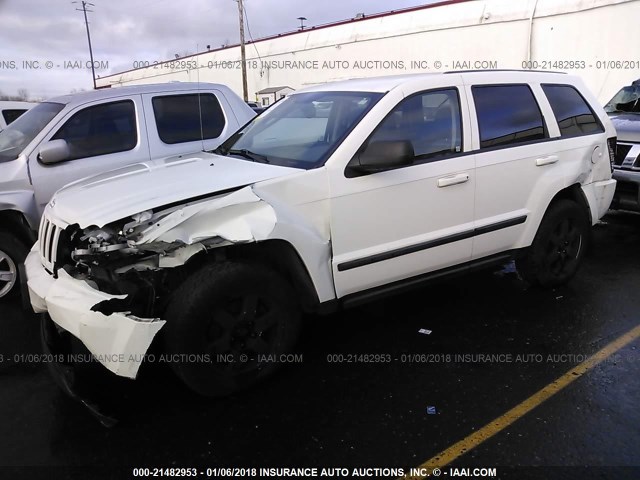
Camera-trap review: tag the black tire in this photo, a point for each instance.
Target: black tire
(12, 255)
(231, 309)
(558, 247)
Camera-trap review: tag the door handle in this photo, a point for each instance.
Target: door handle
(546, 160)
(453, 180)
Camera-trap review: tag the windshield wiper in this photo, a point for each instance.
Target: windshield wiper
(219, 151)
(635, 112)
(243, 152)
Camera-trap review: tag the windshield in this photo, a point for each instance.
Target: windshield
(302, 130)
(626, 100)
(19, 134)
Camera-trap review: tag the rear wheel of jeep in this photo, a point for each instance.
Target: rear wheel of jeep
(227, 326)
(558, 247)
(12, 254)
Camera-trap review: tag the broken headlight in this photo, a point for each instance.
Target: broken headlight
(118, 238)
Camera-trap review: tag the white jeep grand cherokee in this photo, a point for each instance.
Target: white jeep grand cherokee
(338, 194)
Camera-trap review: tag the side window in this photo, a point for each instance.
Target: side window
(431, 121)
(11, 115)
(100, 130)
(507, 115)
(187, 118)
(572, 112)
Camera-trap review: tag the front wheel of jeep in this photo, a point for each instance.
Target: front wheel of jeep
(558, 247)
(227, 326)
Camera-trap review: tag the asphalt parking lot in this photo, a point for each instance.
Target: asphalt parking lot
(493, 343)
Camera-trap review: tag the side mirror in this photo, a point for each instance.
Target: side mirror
(383, 155)
(54, 151)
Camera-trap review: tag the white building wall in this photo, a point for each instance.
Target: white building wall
(575, 36)
(267, 99)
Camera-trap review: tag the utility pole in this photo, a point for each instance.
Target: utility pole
(243, 56)
(86, 23)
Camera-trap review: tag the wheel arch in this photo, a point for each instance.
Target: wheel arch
(573, 193)
(13, 221)
(277, 254)
(576, 194)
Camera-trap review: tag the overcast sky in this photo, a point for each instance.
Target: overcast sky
(124, 31)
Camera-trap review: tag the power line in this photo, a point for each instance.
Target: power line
(246, 17)
(86, 23)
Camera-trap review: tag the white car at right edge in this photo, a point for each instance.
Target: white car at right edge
(338, 194)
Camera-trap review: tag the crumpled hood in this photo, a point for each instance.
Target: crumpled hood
(105, 198)
(627, 126)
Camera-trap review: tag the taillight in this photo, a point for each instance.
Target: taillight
(612, 143)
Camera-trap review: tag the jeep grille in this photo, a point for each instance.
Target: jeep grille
(48, 238)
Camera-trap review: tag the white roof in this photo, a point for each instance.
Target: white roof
(387, 83)
(114, 92)
(369, 84)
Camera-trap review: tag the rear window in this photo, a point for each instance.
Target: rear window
(573, 114)
(187, 118)
(12, 115)
(507, 115)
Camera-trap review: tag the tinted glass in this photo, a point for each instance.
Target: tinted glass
(178, 117)
(100, 130)
(572, 113)
(20, 133)
(11, 115)
(430, 121)
(507, 115)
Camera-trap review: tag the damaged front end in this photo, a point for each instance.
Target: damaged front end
(110, 285)
(140, 276)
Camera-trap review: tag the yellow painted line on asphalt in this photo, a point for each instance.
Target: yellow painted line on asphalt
(463, 446)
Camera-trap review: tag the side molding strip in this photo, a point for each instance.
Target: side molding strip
(379, 257)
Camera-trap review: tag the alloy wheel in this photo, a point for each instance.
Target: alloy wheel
(8, 274)
(563, 248)
(243, 328)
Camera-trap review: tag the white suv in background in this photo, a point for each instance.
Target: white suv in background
(336, 195)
